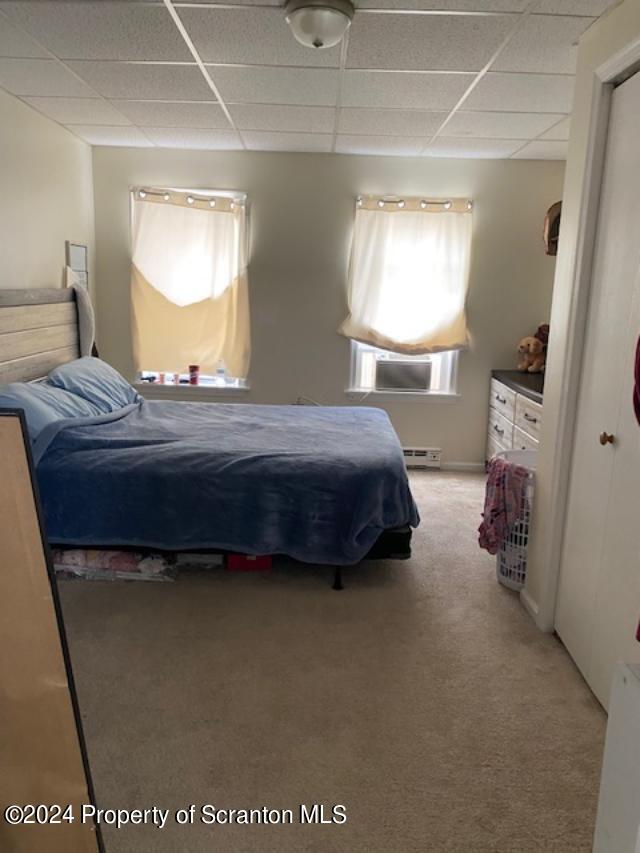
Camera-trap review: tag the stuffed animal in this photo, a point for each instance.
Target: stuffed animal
(532, 355)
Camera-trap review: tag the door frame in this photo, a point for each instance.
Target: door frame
(613, 71)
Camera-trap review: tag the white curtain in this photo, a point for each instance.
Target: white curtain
(188, 252)
(189, 286)
(409, 275)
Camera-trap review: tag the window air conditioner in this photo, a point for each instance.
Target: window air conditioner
(396, 375)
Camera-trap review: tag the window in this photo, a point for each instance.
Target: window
(189, 288)
(373, 369)
(408, 280)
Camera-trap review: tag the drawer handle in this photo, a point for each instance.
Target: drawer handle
(498, 430)
(500, 399)
(530, 418)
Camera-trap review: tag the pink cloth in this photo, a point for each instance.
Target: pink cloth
(504, 497)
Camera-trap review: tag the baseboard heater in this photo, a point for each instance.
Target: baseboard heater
(422, 457)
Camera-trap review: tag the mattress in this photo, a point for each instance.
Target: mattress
(319, 484)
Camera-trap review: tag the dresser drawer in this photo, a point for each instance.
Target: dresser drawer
(528, 416)
(523, 441)
(500, 430)
(502, 399)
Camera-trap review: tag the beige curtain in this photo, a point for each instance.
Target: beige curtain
(189, 287)
(409, 274)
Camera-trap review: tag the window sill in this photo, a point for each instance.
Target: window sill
(399, 396)
(154, 391)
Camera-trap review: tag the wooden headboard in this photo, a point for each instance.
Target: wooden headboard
(38, 332)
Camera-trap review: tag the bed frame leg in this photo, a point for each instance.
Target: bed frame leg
(337, 579)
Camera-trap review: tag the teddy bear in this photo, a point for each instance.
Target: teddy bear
(532, 355)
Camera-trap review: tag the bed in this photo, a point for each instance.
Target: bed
(319, 484)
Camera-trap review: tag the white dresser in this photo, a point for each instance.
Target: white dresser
(515, 411)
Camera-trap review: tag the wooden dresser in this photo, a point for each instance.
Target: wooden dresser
(515, 411)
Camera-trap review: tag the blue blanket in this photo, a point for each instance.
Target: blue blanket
(317, 483)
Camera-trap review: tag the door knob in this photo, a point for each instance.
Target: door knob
(606, 438)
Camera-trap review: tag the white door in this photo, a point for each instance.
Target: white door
(599, 589)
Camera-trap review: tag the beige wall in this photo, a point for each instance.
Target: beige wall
(611, 35)
(301, 217)
(46, 196)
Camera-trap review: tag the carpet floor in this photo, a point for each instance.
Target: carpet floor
(422, 697)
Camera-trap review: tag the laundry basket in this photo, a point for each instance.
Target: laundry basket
(512, 556)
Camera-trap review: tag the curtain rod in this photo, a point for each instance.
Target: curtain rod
(400, 202)
(191, 197)
(145, 193)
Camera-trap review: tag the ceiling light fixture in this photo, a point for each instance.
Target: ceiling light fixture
(319, 23)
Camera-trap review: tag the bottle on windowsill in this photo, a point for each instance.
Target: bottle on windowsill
(221, 374)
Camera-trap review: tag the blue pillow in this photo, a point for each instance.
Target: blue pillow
(95, 381)
(44, 404)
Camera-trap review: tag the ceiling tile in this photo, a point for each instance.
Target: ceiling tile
(559, 132)
(419, 91)
(394, 145)
(78, 110)
(544, 43)
(14, 42)
(575, 7)
(537, 150)
(258, 141)
(209, 140)
(180, 3)
(486, 149)
(526, 93)
(172, 114)
(447, 5)
(591, 8)
(125, 136)
(426, 42)
(252, 36)
(283, 118)
(499, 125)
(145, 82)
(101, 29)
(41, 77)
(303, 86)
(389, 122)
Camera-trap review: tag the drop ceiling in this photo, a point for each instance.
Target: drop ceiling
(432, 78)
